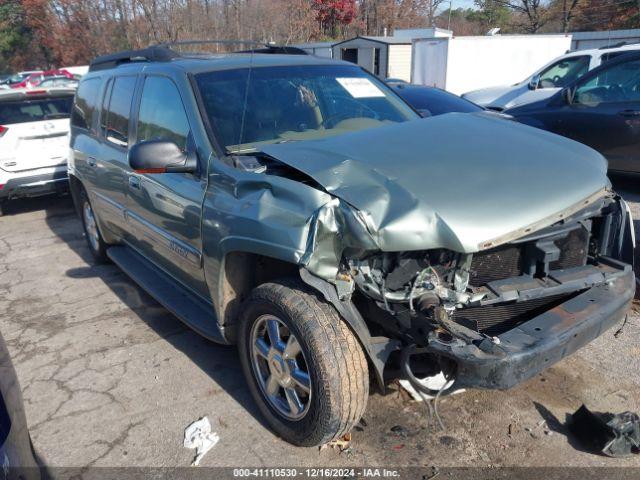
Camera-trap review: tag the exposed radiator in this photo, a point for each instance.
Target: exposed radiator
(507, 260)
(496, 319)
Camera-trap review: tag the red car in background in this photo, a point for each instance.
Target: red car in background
(35, 78)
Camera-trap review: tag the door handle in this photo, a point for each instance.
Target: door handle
(91, 161)
(630, 113)
(134, 182)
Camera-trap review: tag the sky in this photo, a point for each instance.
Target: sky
(461, 4)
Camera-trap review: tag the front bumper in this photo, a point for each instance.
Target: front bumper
(539, 343)
(35, 185)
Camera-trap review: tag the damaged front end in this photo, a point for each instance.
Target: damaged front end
(494, 318)
(438, 249)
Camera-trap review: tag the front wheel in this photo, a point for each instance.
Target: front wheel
(305, 368)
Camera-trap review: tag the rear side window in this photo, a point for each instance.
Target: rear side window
(162, 115)
(116, 115)
(86, 102)
(36, 110)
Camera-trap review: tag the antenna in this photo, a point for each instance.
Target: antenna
(246, 98)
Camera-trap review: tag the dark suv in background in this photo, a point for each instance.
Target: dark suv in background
(297, 207)
(601, 109)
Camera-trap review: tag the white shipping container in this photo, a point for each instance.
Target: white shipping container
(462, 64)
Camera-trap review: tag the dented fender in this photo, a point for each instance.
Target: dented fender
(279, 218)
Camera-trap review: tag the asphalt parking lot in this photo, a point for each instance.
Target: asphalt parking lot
(110, 378)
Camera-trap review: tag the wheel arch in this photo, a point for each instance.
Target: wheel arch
(76, 187)
(242, 271)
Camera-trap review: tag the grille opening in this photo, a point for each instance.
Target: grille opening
(497, 319)
(508, 261)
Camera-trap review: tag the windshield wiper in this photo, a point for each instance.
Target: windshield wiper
(255, 150)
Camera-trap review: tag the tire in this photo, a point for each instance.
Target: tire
(96, 243)
(331, 355)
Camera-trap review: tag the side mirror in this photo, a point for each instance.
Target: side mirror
(534, 83)
(161, 156)
(424, 113)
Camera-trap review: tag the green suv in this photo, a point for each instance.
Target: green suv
(297, 207)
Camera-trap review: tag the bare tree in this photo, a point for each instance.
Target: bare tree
(533, 12)
(568, 8)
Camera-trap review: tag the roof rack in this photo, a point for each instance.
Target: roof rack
(165, 52)
(151, 54)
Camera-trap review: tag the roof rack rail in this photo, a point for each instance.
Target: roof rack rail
(278, 49)
(255, 47)
(164, 52)
(157, 53)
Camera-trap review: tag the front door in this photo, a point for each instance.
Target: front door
(605, 114)
(164, 210)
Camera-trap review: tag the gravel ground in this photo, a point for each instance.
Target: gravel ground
(112, 379)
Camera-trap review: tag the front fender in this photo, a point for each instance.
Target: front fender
(377, 349)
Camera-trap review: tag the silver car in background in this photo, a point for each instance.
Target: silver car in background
(548, 80)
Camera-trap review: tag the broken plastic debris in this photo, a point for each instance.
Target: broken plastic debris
(615, 435)
(198, 436)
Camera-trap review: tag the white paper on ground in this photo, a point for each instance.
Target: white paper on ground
(360, 87)
(418, 397)
(198, 436)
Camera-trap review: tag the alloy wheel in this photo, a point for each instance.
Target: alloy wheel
(280, 367)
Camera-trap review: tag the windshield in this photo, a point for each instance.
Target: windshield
(18, 78)
(250, 107)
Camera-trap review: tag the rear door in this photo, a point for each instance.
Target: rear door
(35, 132)
(111, 164)
(164, 210)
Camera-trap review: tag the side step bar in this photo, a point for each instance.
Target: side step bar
(189, 308)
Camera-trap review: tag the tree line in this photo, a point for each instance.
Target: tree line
(48, 33)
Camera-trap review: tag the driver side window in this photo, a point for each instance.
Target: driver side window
(564, 72)
(162, 115)
(619, 83)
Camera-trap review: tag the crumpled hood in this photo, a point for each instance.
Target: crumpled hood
(456, 181)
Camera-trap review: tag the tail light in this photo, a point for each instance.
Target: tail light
(3, 130)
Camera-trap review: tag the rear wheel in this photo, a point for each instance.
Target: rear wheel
(97, 245)
(305, 368)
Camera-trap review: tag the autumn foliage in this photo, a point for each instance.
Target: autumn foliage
(53, 33)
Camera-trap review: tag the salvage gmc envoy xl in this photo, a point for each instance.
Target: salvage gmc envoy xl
(297, 207)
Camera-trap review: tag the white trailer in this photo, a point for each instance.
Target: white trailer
(462, 64)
